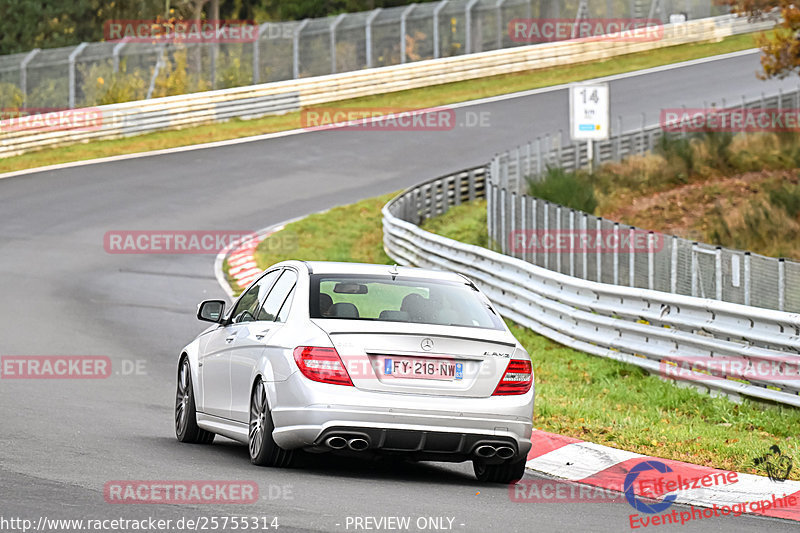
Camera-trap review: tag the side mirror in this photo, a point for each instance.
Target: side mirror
(211, 310)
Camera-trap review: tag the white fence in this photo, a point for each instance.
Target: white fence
(722, 347)
(672, 264)
(132, 118)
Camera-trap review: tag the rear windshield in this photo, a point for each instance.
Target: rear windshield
(353, 297)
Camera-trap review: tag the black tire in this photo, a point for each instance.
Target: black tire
(186, 429)
(509, 472)
(263, 450)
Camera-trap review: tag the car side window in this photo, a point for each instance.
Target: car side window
(283, 314)
(277, 296)
(245, 310)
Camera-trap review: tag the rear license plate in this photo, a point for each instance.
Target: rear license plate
(423, 369)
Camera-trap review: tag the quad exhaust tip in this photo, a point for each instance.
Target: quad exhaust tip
(337, 443)
(357, 444)
(505, 452)
(486, 451)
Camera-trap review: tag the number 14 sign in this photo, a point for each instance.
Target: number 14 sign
(589, 112)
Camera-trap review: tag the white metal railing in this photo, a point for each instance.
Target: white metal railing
(132, 118)
(666, 334)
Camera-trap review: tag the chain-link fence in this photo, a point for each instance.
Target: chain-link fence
(582, 245)
(109, 72)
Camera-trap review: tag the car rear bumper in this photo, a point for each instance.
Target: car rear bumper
(450, 427)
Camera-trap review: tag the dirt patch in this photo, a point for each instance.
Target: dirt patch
(687, 210)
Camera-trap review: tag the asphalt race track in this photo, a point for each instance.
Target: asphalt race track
(61, 441)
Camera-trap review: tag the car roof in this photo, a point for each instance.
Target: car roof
(335, 267)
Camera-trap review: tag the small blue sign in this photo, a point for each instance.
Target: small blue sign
(459, 371)
(586, 127)
(387, 369)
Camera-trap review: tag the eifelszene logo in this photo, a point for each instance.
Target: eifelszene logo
(630, 495)
(777, 464)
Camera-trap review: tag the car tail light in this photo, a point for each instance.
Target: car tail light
(517, 379)
(322, 364)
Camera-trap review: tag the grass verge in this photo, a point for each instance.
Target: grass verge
(579, 395)
(412, 99)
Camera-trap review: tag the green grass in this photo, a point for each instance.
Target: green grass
(592, 398)
(411, 99)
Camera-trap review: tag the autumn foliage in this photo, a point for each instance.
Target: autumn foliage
(780, 50)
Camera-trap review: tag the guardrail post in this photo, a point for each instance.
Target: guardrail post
(518, 174)
(490, 207)
(572, 242)
(718, 272)
(643, 146)
(747, 278)
(534, 228)
(545, 229)
(156, 70)
(616, 253)
(115, 52)
(781, 284)
(651, 262)
(503, 238)
(257, 53)
(523, 213)
(513, 225)
(468, 29)
(332, 30)
(72, 58)
(558, 238)
(499, 8)
(436, 44)
(403, 30)
(528, 155)
(632, 260)
(560, 142)
(368, 36)
(585, 253)
(694, 269)
(23, 74)
(548, 149)
(599, 229)
(296, 48)
(673, 267)
(538, 157)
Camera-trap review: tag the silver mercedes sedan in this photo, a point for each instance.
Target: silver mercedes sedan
(360, 359)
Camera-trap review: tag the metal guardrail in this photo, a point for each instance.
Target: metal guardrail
(68, 76)
(533, 158)
(131, 118)
(653, 330)
(676, 265)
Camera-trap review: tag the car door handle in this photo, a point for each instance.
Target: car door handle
(262, 334)
(230, 339)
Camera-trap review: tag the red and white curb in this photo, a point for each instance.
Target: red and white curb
(242, 263)
(241, 259)
(605, 467)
